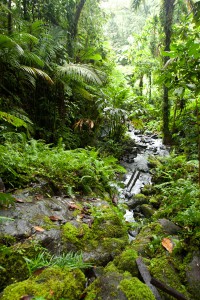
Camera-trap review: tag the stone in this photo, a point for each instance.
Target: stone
(137, 200)
(169, 227)
(193, 275)
(147, 210)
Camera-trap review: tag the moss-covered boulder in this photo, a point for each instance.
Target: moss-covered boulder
(137, 200)
(126, 261)
(148, 240)
(13, 266)
(134, 289)
(116, 285)
(162, 268)
(52, 283)
(100, 241)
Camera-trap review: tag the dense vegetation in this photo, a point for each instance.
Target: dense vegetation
(75, 73)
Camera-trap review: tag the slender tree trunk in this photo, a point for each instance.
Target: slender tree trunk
(25, 10)
(168, 10)
(74, 28)
(9, 17)
(141, 84)
(150, 86)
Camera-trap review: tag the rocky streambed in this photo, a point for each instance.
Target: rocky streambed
(103, 231)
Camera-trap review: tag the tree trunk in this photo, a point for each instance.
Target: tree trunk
(168, 10)
(74, 28)
(141, 83)
(9, 17)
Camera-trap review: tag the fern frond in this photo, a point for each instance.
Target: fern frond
(78, 71)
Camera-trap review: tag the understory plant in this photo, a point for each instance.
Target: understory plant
(176, 184)
(44, 259)
(70, 171)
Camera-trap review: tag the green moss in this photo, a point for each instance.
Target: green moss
(13, 266)
(163, 269)
(108, 230)
(48, 224)
(51, 283)
(93, 290)
(126, 261)
(134, 289)
(149, 235)
(7, 240)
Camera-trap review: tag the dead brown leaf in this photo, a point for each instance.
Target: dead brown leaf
(26, 297)
(55, 218)
(38, 228)
(73, 207)
(19, 200)
(167, 244)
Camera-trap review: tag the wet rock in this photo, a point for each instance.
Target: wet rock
(137, 200)
(147, 210)
(193, 275)
(51, 240)
(169, 227)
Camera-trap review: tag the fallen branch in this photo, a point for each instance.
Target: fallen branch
(169, 290)
(147, 277)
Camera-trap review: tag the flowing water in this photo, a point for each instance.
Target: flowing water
(136, 164)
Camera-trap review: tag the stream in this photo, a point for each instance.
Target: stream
(136, 163)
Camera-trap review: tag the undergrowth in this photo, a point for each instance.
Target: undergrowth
(71, 171)
(176, 184)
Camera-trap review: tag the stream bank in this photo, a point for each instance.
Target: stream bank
(96, 227)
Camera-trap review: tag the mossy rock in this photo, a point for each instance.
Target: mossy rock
(126, 261)
(163, 269)
(13, 266)
(108, 233)
(118, 286)
(106, 287)
(147, 210)
(146, 236)
(52, 283)
(134, 289)
(137, 200)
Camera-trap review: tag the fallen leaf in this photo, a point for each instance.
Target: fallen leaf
(55, 218)
(39, 271)
(19, 200)
(167, 244)
(26, 297)
(73, 207)
(39, 197)
(38, 228)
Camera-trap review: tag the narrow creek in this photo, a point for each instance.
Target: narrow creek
(136, 164)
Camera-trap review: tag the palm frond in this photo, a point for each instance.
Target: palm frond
(17, 122)
(27, 38)
(36, 72)
(8, 43)
(32, 58)
(78, 71)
